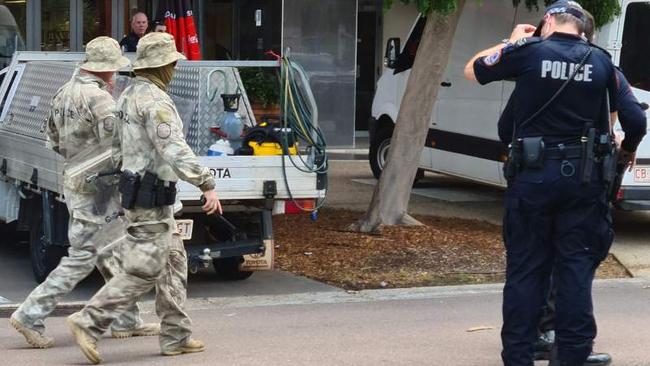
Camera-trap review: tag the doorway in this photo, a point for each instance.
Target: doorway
(241, 29)
(368, 63)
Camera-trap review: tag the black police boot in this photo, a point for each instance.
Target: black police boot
(594, 359)
(544, 345)
(598, 359)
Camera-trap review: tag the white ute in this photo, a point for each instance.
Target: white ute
(462, 139)
(251, 188)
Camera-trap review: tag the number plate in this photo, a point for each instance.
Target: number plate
(642, 174)
(184, 228)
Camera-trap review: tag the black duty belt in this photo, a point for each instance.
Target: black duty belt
(562, 153)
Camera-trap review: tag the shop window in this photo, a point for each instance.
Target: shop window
(12, 30)
(55, 17)
(635, 53)
(241, 29)
(134, 6)
(97, 19)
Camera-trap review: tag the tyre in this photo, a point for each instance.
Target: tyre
(378, 152)
(44, 258)
(228, 268)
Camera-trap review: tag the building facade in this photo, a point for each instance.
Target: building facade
(340, 43)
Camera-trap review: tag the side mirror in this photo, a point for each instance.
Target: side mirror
(392, 51)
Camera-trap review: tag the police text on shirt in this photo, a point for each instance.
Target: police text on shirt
(560, 70)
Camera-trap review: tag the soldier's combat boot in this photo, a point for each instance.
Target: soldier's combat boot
(190, 346)
(145, 330)
(84, 341)
(33, 338)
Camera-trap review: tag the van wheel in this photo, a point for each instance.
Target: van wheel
(44, 258)
(228, 268)
(378, 154)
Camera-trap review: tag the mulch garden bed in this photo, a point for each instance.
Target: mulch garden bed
(446, 251)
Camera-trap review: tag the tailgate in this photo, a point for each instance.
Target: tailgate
(243, 177)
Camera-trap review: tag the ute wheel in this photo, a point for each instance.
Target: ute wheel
(44, 258)
(228, 268)
(378, 154)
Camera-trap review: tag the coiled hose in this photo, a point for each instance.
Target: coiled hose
(300, 116)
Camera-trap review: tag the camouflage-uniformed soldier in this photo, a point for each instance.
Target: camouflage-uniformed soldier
(151, 137)
(81, 117)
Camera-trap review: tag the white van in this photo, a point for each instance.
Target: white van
(462, 139)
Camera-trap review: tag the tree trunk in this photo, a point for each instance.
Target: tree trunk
(391, 196)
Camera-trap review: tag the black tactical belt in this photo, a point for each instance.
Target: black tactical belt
(558, 153)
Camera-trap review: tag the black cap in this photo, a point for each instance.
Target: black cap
(566, 7)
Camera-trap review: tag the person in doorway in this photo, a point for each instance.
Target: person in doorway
(149, 139)
(139, 27)
(81, 117)
(160, 26)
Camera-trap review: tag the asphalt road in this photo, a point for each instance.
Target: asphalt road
(17, 281)
(385, 327)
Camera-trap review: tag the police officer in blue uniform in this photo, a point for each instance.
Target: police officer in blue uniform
(557, 215)
(629, 115)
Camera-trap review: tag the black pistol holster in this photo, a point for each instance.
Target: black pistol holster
(607, 152)
(128, 187)
(145, 192)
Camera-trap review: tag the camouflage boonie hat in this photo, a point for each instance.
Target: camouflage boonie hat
(155, 50)
(103, 54)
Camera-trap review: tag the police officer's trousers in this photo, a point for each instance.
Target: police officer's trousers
(552, 223)
(152, 256)
(83, 254)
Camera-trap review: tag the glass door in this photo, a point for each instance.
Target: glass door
(97, 16)
(55, 25)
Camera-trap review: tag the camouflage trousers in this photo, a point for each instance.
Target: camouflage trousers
(84, 254)
(152, 257)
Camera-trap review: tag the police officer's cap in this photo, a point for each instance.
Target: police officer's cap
(566, 7)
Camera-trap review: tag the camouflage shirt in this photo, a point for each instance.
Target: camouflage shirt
(150, 137)
(82, 116)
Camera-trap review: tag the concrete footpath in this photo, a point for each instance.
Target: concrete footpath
(425, 326)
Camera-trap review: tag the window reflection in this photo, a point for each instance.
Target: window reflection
(55, 17)
(12, 28)
(97, 19)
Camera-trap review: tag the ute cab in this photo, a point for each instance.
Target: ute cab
(462, 139)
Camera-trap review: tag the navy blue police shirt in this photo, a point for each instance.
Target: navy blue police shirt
(630, 114)
(539, 68)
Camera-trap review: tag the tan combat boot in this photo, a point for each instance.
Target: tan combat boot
(84, 341)
(34, 338)
(191, 346)
(145, 330)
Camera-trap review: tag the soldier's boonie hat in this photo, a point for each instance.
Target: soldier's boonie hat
(566, 7)
(103, 54)
(155, 50)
